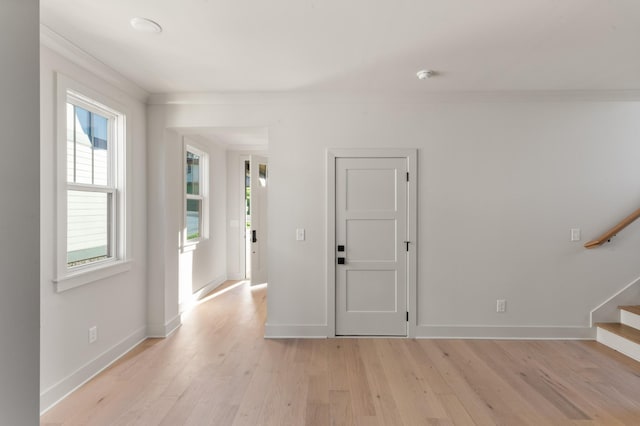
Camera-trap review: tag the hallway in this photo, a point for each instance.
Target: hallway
(217, 369)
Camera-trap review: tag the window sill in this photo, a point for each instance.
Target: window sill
(190, 246)
(87, 276)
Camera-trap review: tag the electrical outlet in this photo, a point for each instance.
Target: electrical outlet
(501, 305)
(93, 334)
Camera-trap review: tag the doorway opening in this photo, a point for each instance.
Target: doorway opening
(247, 219)
(254, 218)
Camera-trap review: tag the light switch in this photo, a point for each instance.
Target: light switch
(575, 234)
(300, 234)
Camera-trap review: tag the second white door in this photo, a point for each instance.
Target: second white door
(258, 204)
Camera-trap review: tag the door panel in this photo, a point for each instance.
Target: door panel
(371, 240)
(371, 223)
(258, 201)
(371, 291)
(360, 197)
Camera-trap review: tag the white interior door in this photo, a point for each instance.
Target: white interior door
(258, 206)
(371, 231)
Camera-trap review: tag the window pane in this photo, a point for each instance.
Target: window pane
(194, 214)
(87, 147)
(84, 155)
(193, 173)
(262, 174)
(70, 143)
(100, 157)
(88, 217)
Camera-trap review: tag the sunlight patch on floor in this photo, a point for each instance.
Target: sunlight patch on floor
(220, 292)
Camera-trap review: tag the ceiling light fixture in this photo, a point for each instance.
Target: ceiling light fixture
(145, 25)
(424, 74)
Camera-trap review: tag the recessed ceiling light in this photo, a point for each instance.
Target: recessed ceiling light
(424, 74)
(145, 25)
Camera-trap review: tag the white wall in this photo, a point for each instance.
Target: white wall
(235, 214)
(19, 213)
(116, 305)
(501, 182)
(203, 266)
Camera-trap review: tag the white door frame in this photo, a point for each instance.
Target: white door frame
(259, 201)
(412, 210)
(242, 219)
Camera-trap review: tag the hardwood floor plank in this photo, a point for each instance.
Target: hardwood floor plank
(491, 388)
(556, 374)
(358, 383)
(477, 408)
(317, 414)
(456, 411)
(383, 400)
(529, 383)
(337, 369)
(217, 369)
(340, 412)
(254, 399)
(416, 402)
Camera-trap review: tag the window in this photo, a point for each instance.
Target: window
(195, 206)
(90, 184)
(92, 237)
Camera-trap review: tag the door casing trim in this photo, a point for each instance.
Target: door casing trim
(330, 222)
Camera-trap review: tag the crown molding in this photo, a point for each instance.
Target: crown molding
(68, 50)
(249, 98)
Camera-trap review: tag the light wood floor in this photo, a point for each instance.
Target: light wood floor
(218, 370)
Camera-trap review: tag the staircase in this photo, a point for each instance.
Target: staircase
(623, 336)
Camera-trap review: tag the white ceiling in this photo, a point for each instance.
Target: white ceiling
(360, 45)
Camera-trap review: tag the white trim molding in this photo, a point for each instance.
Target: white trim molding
(411, 154)
(163, 331)
(298, 331)
(394, 97)
(506, 332)
(120, 178)
(608, 311)
(295, 331)
(70, 51)
(190, 146)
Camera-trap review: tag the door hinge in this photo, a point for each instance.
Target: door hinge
(407, 316)
(406, 243)
(407, 176)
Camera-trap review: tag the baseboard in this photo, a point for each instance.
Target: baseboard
(54, 394)
(607, 311)
(295, 331)
(236, 277)
(185, 306)
(498, 332)
(162, 331)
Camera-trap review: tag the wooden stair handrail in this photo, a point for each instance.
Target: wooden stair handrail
(613, 231)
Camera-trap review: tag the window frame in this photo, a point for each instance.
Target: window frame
(70, 91)
(203, 197)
